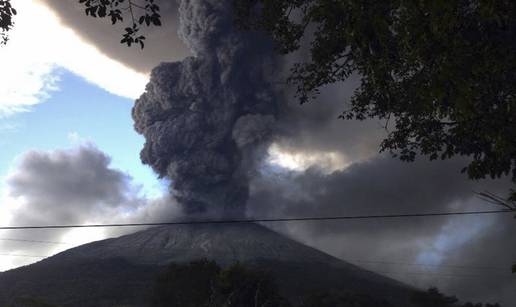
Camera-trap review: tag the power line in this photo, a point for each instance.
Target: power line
(370, 261)
(386, 272)
(21, 255)
(361, 261)
(261, 220)
(33, 241)
(400, 273)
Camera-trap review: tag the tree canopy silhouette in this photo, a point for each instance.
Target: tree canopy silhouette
(6, 20)
(204, 283)
(434, 298)
(141, 13)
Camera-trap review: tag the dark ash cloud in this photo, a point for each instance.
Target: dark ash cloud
(209, 118)
(383, 185)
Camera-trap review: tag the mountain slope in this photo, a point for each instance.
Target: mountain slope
(121, 270)
(223, 243)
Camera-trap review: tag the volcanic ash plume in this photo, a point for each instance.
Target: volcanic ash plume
(207, 119)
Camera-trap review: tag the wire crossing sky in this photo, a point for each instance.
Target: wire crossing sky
(264, 220)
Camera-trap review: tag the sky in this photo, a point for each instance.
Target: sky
(70, 154)
(60, 93)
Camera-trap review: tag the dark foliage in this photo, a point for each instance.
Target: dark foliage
(203, 283)
(187, 285)
(6, 20)
(434, 298)
(144, 12)
(442, 74)
(241, 287)
(328, 299)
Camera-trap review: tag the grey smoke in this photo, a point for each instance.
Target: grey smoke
(64, 186)
(206, 118)
(383, 185)
(72, 186)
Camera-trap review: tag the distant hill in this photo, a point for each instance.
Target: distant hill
(121, 271)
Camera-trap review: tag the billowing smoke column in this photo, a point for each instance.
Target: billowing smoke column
(207, 119)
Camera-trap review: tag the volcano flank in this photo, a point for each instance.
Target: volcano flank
(121, 271)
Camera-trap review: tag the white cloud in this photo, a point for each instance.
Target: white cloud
(39, 45)
(301, 160)
(75, 138)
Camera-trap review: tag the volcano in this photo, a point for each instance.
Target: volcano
(121, 271)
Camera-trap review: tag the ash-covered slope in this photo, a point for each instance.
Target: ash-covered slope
(121, 270)
(224, 243)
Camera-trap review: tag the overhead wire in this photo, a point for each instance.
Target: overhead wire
(33, 241)
(400, 273)
(260, 220)
(22, 255)
(265, 220)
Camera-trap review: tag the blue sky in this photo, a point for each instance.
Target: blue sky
(78, 112)
(58, 91)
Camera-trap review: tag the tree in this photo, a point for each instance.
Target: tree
(188, 285)
(441, 74)
(240, 286)
(204, 283)
(434, 298)
(329, 299)
(507, 204)
(6, 20)
(141, 13)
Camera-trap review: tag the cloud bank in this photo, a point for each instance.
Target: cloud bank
(418, 251)
(73, 186)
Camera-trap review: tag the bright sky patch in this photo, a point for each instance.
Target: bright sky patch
(38, 46)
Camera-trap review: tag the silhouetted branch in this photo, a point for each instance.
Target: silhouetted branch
(498, 200)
